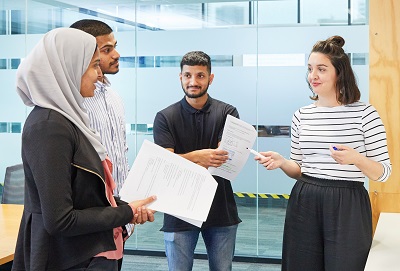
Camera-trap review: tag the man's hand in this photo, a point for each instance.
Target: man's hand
(210, 157)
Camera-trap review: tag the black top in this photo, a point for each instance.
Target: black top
(67, 218)
(186, 129)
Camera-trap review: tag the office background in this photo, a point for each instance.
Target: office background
(259, 51)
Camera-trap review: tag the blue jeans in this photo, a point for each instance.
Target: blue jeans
(219, 241)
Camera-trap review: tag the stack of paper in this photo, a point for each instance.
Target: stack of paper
(183, 189)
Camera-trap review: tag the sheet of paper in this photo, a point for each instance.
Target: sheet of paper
(183, 189)
(236, 138)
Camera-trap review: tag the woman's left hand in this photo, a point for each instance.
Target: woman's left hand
(143, 215)
(344, 155)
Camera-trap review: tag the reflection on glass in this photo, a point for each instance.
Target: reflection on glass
(128, 15)
(359, 11)
(271, 12)
(273, 130)
(327, 12)
(10, 127)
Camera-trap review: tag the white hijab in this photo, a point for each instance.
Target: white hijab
(50, 77)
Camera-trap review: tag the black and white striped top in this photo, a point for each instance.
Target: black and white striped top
(356, 125)
(107, 116)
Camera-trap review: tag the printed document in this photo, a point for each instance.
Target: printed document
(183, 188)
(237, 137)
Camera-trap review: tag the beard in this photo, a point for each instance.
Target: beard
(110, 69)
(194, 96)
(112, 72)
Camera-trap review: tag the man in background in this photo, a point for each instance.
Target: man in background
(106, 109)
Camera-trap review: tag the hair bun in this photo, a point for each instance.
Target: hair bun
(336, 40)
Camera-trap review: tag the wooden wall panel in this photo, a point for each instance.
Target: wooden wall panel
(384, 82)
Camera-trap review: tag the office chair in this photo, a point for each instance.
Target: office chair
(14, 183)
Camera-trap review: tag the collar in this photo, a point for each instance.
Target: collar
(206, 108)
(106, 81)
(101, 86)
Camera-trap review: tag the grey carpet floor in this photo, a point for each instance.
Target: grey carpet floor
(155, 263)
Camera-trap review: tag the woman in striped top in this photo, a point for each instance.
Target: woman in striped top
(336, 142)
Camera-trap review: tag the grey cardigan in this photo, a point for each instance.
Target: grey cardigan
(67, 218)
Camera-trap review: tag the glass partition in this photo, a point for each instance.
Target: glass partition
(259, 52)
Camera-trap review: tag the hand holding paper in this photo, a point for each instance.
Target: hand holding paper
(141, 213)
(211, 157)
(237, 137)
(183, 189)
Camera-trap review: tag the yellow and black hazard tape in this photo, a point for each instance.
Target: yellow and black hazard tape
(261, 195)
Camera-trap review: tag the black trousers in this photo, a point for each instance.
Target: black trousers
(96, 264)
(328, 226)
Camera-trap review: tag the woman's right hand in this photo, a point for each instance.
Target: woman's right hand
(141, 213)
(271, 160)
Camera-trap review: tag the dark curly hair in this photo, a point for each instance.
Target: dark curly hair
(347, 91)
(93, 27)
(196, 58)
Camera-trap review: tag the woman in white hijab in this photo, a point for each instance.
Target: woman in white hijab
(71, 221)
